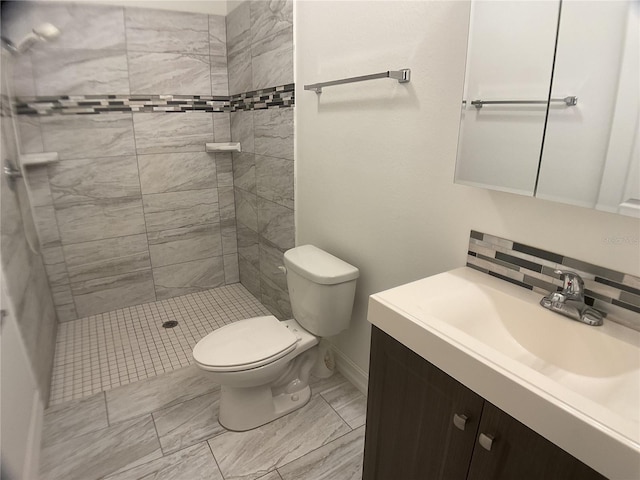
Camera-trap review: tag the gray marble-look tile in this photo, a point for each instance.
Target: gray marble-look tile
(174, 172)
(276, 224)
(248, 455)
(272, 60)
(270, 259)
(72, 419)
(57, 274)
(81, 72)
(155, 73)
(109, 293)
(274, 178)
(321, 385)
(242, 130)
(46, 225)
(24, 84)
(224, 169)
(219, 77)
(248, 247)
(163, 391)
(348, 402)
(101, 452)
(163, 211)
(189, 277)
(273, 132)
(238, 23)
(61, 295)
(74, 181)
(166, 31)
(275, 299)
(66, 313)
(246, 208)
(226, 202)
(193, 463)
(218, 35)
(106, 258)
(52, 255)
(37, 180)
(231, 269)
(244, 171)
(338, 460)
(240, 76)
(115, 217)
(271, 476)
(179, 245)
(249, 277)
(172, 132)
(188, 423)
(222, 129)
(88, 136)
(229, 237)
(268, 18)
(29, 133)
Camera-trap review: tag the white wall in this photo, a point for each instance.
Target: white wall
(375, 161)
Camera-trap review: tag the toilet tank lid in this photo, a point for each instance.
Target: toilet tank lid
(319, 266)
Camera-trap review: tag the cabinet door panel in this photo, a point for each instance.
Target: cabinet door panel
(519, 452)
(410, 433)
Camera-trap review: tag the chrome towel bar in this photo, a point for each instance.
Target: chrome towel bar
(568, 101)
(402, 76)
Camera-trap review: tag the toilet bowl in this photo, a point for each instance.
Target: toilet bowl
(263, 364)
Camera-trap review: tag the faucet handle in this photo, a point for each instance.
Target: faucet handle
(573, 284)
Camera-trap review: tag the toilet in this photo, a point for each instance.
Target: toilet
(263, 364)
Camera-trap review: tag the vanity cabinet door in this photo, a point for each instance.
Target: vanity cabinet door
(518, 452)
(410, 433)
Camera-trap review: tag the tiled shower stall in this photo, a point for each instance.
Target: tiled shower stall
(135, 210)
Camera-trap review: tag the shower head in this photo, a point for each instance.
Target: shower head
(42, 33)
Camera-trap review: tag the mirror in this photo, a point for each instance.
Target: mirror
(551, 105)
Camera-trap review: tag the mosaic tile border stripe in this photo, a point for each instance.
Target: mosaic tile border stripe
(273, 97)
(615, 293)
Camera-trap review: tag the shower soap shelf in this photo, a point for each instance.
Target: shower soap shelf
(34, 159)
(223, 147)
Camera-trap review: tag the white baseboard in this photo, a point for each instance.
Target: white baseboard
(351, 371)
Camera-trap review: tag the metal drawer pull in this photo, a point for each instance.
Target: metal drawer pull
(486, 441)
(460, 421)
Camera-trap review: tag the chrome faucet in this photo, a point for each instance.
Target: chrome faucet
(570, 301)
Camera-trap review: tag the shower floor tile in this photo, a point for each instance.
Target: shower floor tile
(105, 351)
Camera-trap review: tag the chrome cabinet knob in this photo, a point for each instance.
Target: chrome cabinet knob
(460, 421)
(486, 441)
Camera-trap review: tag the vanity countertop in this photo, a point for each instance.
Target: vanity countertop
(577, 385)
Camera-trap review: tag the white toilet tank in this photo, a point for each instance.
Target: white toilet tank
(321, 289)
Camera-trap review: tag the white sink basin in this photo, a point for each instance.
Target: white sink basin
(577, 385)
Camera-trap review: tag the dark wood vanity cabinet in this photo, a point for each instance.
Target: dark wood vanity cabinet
(422, 424)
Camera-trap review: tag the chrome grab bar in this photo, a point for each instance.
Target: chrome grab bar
(569, 101)
(402, 76)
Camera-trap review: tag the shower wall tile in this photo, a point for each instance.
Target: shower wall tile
(240, 76)
(238, 25)
(268, 18)
(172, 132)
(75, 181)
(45, 221)
(179, 245)
(217, 35)
(30, 134)
(81, 72)
(66, 313)
(226, 203)
(229, 236)
(270, 259)
(91, 136)
(244, 171)
(222, 128)
(242, 130)
(175, 172)
(109, 293)
(166, 31)
(57, 274)
(62, 295)
(275, 180)
(105, 258)
(219, 75)
(249, 276)
(183, 278)
(273, 134)
(276, 224)
(24, 84)
(165, 211)
(169, 73)
(224, 170)
(272, 60)
(37, 180)
(247, 208)
(231, 270)
(52, 255)
(84, 222)
(248, 245)
(274, 298)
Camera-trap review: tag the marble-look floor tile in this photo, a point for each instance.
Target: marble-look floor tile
(189, 277)
(115, 217)
(159, 392)
(268, 18)
(179, 245)
(169, 73)
(242, 130)
(163, 211)
(74, 181)
(166, 31)
(74, 418)
(218, 35)
(104, 258)
(321, 385)
(338, 460)
(88, 136)
(109, 293)
(188, 423)
(276, 224)
(173, 132)
(81, 72)
(273, 132)
(348, 402)
(193, 463)
(248, 455)
(174, 172)
(274, 178)
(101, 452)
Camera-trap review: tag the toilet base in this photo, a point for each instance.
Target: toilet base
(244, 409)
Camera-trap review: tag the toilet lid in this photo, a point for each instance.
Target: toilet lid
(245, 344)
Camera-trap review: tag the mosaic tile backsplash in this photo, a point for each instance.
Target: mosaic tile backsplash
(614, 293)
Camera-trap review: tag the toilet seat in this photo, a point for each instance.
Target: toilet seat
(245, 345)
